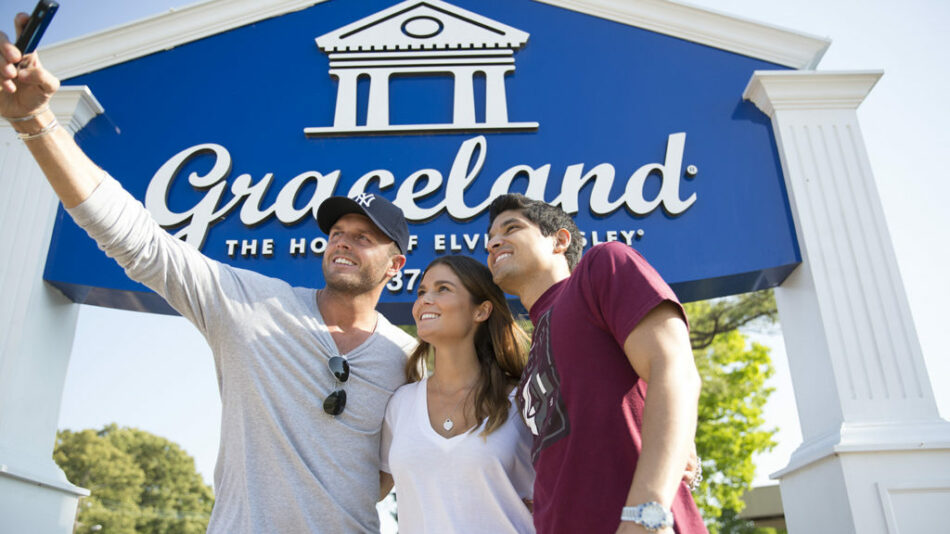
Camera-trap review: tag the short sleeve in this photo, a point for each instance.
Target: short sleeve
(621, 287)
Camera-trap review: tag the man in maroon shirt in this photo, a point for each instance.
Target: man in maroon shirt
(609, 456)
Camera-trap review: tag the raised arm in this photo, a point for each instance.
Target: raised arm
(659, 351)
(194, 285)
(25, 92)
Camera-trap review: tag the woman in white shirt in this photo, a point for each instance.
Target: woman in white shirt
(454, 442)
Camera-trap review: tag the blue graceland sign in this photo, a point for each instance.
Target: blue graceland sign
(440, 107)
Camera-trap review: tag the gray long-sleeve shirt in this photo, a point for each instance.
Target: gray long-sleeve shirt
(283, 464)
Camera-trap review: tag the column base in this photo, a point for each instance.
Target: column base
(29, 504)
(870, 479)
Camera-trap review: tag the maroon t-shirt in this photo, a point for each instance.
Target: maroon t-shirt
(583, 401)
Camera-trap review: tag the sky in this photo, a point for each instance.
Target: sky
(156, 373)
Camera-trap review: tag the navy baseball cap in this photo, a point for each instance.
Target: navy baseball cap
(384, 214)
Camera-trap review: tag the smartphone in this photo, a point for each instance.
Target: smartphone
(39, 20)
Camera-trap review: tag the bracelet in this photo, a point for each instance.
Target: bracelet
(46, 129)
(694, 484)
(28, 117)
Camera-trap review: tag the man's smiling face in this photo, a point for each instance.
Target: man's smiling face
(517, 250)
(358, 255)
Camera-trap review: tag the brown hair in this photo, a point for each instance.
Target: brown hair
(500, 344)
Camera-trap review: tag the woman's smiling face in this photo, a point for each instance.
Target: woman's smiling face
(444, 309)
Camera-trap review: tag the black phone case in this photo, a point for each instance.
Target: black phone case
(39, 20)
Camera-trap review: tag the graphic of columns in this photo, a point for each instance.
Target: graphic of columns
(496, 102)
(345, 114)
(464, 116)
(378, 114)
(464, 101)
(421, 38)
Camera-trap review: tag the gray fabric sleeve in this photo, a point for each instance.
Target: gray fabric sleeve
(124, 229)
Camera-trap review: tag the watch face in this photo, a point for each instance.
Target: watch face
(654, 516)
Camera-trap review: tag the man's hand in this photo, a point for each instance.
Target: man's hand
(27, 89)
(25, 92)
(694, 472)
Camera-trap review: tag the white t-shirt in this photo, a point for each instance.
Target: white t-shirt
(462, 484)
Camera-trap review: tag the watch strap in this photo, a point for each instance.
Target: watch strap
(652, 515)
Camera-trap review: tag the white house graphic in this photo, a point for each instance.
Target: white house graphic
(421, 37)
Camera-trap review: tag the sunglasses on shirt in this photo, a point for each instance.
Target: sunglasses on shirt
(336, 401)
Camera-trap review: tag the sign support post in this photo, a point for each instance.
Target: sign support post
(872, 436)
(36, 337)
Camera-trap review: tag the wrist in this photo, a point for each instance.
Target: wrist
(35, 125)
(31, 117)
(652, 516)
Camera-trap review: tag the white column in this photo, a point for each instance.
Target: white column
(464, 97)
(36, 334)
(378, 109)
(345, 114)
(496, 100)
(875, 456)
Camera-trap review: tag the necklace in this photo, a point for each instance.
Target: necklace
(448, 424)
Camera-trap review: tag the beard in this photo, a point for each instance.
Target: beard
(363, 281)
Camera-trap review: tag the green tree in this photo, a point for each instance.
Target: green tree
(139, 482)
(730, 523)
(709, 318)
(108, 473)
(730, 426)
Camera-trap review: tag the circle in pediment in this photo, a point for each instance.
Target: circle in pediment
(422, 27)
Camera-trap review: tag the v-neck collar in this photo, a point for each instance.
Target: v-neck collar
(422, 415)
(330, 342)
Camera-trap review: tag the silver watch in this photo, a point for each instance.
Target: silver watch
(652, 515)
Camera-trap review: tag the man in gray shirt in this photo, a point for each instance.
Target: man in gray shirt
(304, 374)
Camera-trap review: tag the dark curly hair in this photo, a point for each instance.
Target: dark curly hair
(549, 219)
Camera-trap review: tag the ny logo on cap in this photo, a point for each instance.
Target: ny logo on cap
(364, 199)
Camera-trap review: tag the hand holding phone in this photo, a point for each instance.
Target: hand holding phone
(34, 87)
(36, 25)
